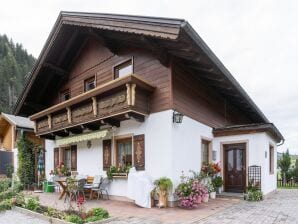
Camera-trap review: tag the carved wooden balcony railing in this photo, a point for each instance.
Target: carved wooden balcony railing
(110, 103)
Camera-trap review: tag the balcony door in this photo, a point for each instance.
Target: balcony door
(235, 167)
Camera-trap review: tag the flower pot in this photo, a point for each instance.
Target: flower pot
(205, 198)
(162, 199)
(219, 190)
(212, 195)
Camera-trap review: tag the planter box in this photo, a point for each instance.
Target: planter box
(120, 175)
(54, 220)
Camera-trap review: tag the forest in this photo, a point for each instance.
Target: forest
(15, 65)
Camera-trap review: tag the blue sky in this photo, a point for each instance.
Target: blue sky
(255, 39)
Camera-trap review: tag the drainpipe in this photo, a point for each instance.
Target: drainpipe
(281, 143)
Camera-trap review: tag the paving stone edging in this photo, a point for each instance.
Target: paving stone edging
(55, 220)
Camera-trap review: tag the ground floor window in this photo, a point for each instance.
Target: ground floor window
(205, 147)
(67, 158)
(124, 152)
(271, 159)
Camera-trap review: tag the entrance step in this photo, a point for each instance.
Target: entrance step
(230, 195)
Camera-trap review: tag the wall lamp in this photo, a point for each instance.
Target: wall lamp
(177, 117)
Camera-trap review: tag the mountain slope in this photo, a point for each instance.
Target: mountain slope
(15, 63)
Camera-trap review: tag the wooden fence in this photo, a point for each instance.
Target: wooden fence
(293, 182)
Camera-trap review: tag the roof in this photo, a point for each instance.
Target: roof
(165, 36)
(21, 122)
(249, 128)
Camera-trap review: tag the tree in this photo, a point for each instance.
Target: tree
(284, 164)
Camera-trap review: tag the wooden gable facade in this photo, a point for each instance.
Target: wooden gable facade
(172, 68)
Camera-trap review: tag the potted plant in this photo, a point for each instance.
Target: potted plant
(163, 186)
(211, 189)
(217, 183)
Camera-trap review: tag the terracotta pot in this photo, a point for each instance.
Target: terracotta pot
(213, 195)
(205, 198)
(162, 199)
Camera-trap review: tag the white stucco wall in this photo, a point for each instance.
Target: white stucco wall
(257, 144)
(169, 150)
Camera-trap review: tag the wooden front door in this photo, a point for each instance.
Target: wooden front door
(235, 167)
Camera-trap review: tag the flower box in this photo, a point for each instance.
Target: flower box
(120, 175)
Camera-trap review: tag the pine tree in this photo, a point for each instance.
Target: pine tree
(15, 63)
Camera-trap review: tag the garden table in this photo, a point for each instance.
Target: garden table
(63, 184)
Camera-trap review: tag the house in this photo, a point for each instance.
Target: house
(126, 90)
(11, 128)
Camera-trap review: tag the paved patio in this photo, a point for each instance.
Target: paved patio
(127, 212)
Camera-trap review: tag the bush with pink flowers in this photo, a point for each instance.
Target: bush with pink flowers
(190, 192)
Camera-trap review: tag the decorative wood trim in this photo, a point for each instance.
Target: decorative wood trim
(96, 91)
(133, 94)
(94, 105)
(50, 121)
(128, 93)
(69, 115)
(139, 152)
(106, 153)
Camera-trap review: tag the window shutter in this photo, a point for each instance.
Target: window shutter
(73, 149)
(139, 152)
(56, 157)
(107, 154)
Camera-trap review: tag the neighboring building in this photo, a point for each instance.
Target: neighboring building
(137, 74)
(11, 128)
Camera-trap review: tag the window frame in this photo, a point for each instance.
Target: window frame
(63, 93)
(209, 141)
(93, 78)
(120, 65)
(271, 159)
(124, 139)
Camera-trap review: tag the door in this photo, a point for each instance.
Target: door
(235, 167)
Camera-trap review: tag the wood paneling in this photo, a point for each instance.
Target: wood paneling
(7, 138)
(139, 151)
(194, 98)
(95, 59)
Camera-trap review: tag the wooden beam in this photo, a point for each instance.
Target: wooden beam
(92, 127)
(104, 40)
(137, 117)
(75, 130)
(68, 46)
(62, 133)
(59, 71)
(112, 122)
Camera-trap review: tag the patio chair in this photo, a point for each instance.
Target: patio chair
(71, 191)
(103, 187)
(80, 187)
(95, 186)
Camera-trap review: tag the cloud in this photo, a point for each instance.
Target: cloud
(256, 40)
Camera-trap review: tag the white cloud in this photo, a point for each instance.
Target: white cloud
(256, 40)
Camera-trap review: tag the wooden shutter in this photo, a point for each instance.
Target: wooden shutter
(73, 149)
(107, 154)
(56, 157)
(139, 152)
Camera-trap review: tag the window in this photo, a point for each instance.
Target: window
(89, 84)
(124, 152)
(205, 151)
(65, 95)
(123, 69)
(67, 158)
(271, 159)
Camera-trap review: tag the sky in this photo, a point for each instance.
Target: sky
(257, 40)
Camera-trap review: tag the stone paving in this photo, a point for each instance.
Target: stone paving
(280, 207)
(13, 217)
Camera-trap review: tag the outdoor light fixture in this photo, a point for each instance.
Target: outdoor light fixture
(177, 117)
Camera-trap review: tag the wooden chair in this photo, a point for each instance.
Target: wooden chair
(90, 180)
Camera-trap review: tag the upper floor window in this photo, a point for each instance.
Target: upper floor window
(89, 84)
(123, 69)
(65, 95)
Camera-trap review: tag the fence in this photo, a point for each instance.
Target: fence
(293, 182)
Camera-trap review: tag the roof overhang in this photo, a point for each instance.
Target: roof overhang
(164, 36)
(249, 129)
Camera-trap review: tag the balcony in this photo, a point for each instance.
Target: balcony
(108, 104)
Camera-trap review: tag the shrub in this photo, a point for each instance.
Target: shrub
(20, 200)
(52, 212)
(9, 169)
(254, 195)
(93, 218)
(74, 219)
(4, 184)
(99, 212)
(164, 184)
(190, 192)
(7, 194)
(5, 205)
(217, 182)
(32, 204)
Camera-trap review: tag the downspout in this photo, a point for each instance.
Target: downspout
(281, 142)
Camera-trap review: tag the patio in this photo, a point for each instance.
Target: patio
(126, 210)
